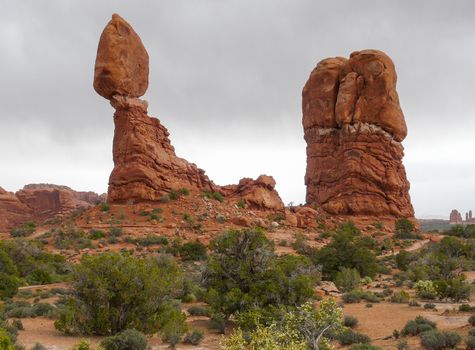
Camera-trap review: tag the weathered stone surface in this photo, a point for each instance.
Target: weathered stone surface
(38, 202)
(122, 61)
(145, 164)
(354, 126)
(258, 194)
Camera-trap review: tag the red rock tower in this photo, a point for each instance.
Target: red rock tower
(353, 127)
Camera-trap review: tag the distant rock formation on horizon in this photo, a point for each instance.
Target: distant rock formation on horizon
(39, 202)
(145, 164)
(353, 127)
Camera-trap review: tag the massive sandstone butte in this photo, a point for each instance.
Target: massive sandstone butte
(353, 127)
(145, 164)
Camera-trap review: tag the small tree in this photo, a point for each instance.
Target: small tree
(404, 226)
(129, 339)
(113, 292)
(425, 290)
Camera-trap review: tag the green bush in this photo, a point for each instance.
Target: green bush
(194, 337)
(130, 339)
(174, 326)
(466, 308)
(470, 342)
(438, 340)
(151, 240)
(400, 297)
(349, 336)
(38, 346)
(356, 295)
(471, 320)
(347, 279)
(6, 342)
(39, 276)
(404, 226)
(348, 248)
(364, 347)
(214, 195)
(104, 207)
(243, 271)
(116, 231)
(193, 251)
(27, 229)
(96, 234)
(350, 321)
(199, 311)
(402, 345)
(455, 289)
(425, 290)
(417, 326)
(8, 285)
(107, 300)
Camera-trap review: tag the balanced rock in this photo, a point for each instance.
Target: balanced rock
(353, 127)
(122, 61)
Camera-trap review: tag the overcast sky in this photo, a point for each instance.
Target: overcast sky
(226, 80)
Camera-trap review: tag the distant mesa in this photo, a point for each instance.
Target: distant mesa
(353, 126)
(145, 164)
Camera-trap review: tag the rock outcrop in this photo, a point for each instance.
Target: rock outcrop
(353, 127)
(145, 164)
(39, 202)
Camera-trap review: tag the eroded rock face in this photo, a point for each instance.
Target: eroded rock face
(122, 61)
(354, 126)
(145, 164)
(258, 194)
(38, 202)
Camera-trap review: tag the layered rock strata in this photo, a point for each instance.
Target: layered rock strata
(353, 126)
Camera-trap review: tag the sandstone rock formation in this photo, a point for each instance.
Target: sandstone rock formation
(121, 62)
(38, 202)
(259, 193)
(353, 127)
(145, 164)
(455, 217)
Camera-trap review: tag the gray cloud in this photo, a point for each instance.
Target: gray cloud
(226, 78)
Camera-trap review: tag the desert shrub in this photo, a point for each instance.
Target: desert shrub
(83, 345)
(455, 289)
(96, 234)
(429, 306)
(38, 346)
(130, 339)
(438, 340)
(193, 251)
(116, 231)
(471, 320)
(106, 300)
(151, 240)
(366, 280)
(8, 285)
(425, 290)
(40, 276)
(199, 311)
(356, 295)
(174, 326)
(404, 226)
(174, 195)
(214, 195)
(27, 229)
(471, 332)
(347, 279)
(418, 325)
(6, 342)
(164, 199)
(243, 271)
(218, 322)
(349, 336)
(414, 303)
(470, 342)
(400, 297)
(104, 206)
(184, 191)
(349, 249)
(18, 325)
(466, 308)
(402, 345)
(350, 321)
(194, 337)
(364, 347)
(241, 204)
